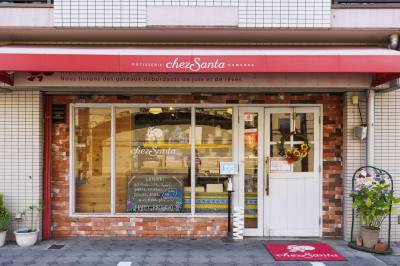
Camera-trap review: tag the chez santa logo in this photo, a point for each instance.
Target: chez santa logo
(318, 251)
(304, 251)
(195, 65)
(297, 248)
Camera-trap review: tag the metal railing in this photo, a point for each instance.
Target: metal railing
(365, 1)
(333, 2)
(16, 2)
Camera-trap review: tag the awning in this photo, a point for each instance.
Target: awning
(384, 64)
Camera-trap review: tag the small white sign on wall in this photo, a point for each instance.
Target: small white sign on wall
(228, 168)
(279, 165)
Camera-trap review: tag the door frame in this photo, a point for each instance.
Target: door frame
(260, 169)
(239, 137)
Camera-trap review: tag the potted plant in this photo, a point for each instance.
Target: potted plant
(27, 237)
(5, 219)
(372, 202)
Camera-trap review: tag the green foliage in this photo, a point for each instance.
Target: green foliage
(5, 216)
(31, 210)
(373, 204)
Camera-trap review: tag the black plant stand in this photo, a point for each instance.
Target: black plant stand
(387, 177)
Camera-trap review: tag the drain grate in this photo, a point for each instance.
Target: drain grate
(56, 246)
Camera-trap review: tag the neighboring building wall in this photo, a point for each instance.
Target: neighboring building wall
(240, 13)
(21, 152)
(64, 225)
(387, 145)
(354, 152)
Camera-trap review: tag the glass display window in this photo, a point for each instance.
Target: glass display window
(92, 153)
(152, 159)
(213, 146)
(138, 160)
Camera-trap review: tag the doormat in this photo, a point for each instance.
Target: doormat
(303, 252)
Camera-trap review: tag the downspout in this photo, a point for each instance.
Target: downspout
(370, 127)
(46, 213)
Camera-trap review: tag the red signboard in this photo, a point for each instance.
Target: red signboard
(200, 64)
(383, 63)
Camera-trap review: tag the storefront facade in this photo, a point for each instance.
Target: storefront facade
(140, 154)
(123, 131)
(224, 125)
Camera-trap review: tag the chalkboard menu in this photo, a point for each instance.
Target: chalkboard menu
(155, 194)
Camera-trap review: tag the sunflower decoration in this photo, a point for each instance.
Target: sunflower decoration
(293, 154)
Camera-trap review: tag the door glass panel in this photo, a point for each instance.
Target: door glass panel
(280, 125)
(251, 168)
(307, 164)
(304, 125)
(274, 152)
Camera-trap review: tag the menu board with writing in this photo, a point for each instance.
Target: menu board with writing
(155, 194)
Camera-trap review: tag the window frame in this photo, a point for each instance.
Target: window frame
(113, 107)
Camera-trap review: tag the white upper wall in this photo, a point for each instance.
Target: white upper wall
(236, 13)
(26, 17)
(207, 13)
(366, 18)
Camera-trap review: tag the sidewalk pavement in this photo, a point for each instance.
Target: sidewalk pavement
(157, 252)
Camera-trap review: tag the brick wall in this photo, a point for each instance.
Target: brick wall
(249, 13)
(195, 226)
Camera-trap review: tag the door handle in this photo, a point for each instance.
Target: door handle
(266, 175)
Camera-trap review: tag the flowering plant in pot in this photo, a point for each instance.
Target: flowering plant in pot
(5, 219)
(372, 201)
(27, 237)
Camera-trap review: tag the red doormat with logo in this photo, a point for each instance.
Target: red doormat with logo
(303, 251)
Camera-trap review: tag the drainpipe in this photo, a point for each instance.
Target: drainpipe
(370, 127)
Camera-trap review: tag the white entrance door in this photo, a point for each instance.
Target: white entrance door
(280, 198)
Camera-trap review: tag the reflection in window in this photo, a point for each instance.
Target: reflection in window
(280, 126)
(152, 159)
(251, 145)
(304, 125)
(153, 147)
(213, 145)
(92, 160)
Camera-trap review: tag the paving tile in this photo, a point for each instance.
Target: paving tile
(248, 252)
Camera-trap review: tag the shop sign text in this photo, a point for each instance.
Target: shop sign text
(196, 65)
